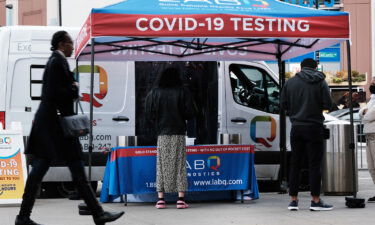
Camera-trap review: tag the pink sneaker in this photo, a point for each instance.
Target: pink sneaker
(182, 205)
(160, 204)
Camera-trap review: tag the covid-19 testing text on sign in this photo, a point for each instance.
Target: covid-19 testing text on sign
(12, 167)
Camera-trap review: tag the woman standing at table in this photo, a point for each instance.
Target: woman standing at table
(168, 106)
(368, 118)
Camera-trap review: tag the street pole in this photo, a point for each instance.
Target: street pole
(60, 16)
(9, 13)
(317, 53)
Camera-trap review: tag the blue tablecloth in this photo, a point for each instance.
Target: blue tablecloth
(132, 170)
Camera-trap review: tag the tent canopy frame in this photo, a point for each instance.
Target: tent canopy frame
(205, 48)
(202, 47)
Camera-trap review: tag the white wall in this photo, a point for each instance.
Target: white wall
(75, 12)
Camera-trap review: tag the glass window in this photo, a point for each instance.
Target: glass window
(254, 88)
(273, 94)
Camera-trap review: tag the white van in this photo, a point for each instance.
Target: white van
(233, 98)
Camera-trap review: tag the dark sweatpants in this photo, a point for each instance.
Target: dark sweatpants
(306, 139)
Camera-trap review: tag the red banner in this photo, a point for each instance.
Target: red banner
(218, 25)
(190, 150)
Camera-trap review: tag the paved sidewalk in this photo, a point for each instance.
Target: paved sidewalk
(270, 209)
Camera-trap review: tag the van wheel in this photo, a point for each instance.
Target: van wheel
(68, 189)
(303, 180)
(49, 190)
(269, 185)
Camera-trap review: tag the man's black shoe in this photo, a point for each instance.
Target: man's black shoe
(84, 210)
(107, 217)
(25, 221)
(371, 200)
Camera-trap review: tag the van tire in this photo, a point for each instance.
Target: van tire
(61, 189)
(303, 178)
(269, 185)
(49, 190)
(68, 189)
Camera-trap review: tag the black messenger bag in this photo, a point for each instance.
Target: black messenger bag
(75, 125)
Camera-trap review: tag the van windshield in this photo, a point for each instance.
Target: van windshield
(254, 88)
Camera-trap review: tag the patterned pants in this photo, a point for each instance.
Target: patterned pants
(370, 151)
(171, 164)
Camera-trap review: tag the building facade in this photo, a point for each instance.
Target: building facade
(43, 12)
(2, 13)
(362, 27)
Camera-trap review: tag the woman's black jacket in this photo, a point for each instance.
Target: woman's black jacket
(169, 108)
(58, 94)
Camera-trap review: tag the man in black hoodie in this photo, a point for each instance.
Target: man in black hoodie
(304, 97)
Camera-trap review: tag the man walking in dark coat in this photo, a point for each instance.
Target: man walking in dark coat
(304, 97)
(47, 142)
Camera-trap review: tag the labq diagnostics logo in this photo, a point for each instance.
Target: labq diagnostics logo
(263, 140)
(7, 149)
(103, 85)
(213, 162)
(5, 140)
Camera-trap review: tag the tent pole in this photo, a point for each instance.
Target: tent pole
(91, 104)
(282, 144)
(77, 71)
(60, 14)
(352, 141)
(77, 79)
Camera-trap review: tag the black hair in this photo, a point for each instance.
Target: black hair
(310, 63)
(170, 77)
(59, 36)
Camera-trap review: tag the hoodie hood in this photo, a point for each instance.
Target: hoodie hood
(311, 75)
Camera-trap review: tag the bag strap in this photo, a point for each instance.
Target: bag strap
(80, 106)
